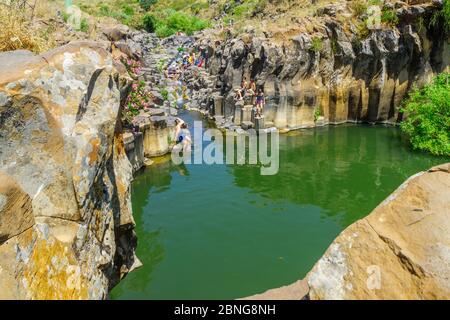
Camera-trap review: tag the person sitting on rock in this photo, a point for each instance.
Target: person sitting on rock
(204, 56)
(252, 91)
(244, 86)
(200, 63)
(185, 61)
(260, 102)
(238, 95)
(191, 59)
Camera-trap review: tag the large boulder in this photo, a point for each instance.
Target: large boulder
(66, 226)
(400, 251)
(117, 33)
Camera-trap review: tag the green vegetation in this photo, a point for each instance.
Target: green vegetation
(124, 14)
(170, 21)
(428, 116)
(389, 17)
(375, 2)
(84, 26)
(316, 44)
(334, 45)
(165, 94)
(161, 64)
(125, 11)
(359, 7)
(238, 10)
(362, 30)
(442, 17)
(149, 23)
(317, 114)
(147, 4)
(65, 16)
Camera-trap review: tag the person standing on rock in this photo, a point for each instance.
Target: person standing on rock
(244, 86)
(183, 136)
(260, 102)
(252, 90)
(203, 56)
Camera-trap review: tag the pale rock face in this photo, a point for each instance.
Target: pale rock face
(66, 226)
(400, 251)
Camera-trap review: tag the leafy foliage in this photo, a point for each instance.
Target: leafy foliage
(317, 114)
(149, 23)
(316, 44)
(359, 7)
(428, 116)
(147, 4)
(172, 21)
(389, 17)
(442, 17)
(84, 25)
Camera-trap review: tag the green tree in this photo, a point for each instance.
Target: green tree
(427, 112)
(147, 4)
(149, 23)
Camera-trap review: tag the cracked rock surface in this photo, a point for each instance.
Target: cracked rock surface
(66, 226)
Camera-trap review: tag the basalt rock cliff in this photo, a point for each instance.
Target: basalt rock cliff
(323, 70)
(66, 225)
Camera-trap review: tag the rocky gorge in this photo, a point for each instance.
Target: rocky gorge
(322, 70)
(67, 160)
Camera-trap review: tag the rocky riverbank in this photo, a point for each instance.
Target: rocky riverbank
(322, 70)
(400, 251)
(151, 132)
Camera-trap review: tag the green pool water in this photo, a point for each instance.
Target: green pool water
(225, 232)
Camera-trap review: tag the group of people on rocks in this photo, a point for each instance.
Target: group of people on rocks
(176, 68)
(248, 89)
(193, 60)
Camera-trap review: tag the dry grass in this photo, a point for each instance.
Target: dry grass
(18, 31)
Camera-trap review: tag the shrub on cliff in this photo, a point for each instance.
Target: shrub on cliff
(428, 116)
(389, 17)
(147, 4)
(442, 18)
(149, 23)
(171, 21)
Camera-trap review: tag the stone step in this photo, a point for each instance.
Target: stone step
(259, 123)
(245, 125)
(246, 114)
